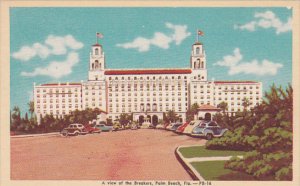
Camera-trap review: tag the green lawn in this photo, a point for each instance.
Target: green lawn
(200, 151)
(214, 170)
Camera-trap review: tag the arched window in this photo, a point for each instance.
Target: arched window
(100, 65)
(195, 65)
(197, 50)
(96, 64)
(93, 66)
(198, 64)
(202, 64)
(154, 107)
(96, 51)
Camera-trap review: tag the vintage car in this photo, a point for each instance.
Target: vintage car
(208, 130)
(74, 129)
(134, 126)
(159, 126)
(189, 128)
(175, 126)
(104, 128)
(181, 128)
(145, 125)
(92, 129)
(169, 127)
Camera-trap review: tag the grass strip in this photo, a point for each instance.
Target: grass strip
(200, 151)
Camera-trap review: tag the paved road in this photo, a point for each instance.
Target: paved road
(143, 154)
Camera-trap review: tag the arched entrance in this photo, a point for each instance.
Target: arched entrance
(207, 117)
(141, 120)
(154, 120)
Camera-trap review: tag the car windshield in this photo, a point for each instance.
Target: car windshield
(202, 125)
(212, 124)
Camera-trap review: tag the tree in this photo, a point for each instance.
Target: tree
(124, 119)
(223, 106)
(266, 132)
(171, 116)
(191, 112)
(245, 103)
(16, 118)
(31, 108)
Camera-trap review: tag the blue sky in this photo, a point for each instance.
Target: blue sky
(52, 44)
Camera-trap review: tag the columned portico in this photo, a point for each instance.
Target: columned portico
(151, 117)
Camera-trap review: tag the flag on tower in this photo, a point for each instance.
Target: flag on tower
(200, 33)
(99, 35)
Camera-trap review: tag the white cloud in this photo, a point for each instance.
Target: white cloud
(180, 32)
(266, 20)
(231, 60)
(56, 69)
(59, 45)
(27, 52)
(237, 66)
(53, 45)
(159, 39)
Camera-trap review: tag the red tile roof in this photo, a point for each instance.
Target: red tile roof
(56, 84)
(96, 44)
(233, 82)
(149, 71)
(208, 107)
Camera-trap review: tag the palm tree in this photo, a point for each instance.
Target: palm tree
(31, 108)
(192, 111)
(223, 106)
(171, 116)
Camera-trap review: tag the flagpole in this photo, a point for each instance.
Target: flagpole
(96, 38)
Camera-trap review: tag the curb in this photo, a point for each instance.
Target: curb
(35, 135)
(187, 166)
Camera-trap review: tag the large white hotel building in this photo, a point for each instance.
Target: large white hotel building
(146, 93)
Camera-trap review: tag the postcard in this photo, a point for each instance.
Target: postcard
(149, 93)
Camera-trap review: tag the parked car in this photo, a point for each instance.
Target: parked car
(181, 128)
(175, 126)
(189, 128)
(92, 129)
(145, 125)
(134, 127)
(117, 126)
(170, 126)
(104, 128)
(209, 130)
(74, 129)
(151, 126)
(159, 126)
(166, 125)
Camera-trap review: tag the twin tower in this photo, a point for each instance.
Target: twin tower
(197, 63)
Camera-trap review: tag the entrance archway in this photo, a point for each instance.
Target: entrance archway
(154, 120)
(141, 120)
(207, 117)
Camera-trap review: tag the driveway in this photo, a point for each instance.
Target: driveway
(143, 154)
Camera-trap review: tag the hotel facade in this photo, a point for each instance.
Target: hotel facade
(145, 93)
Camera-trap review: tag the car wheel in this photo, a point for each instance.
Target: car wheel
(76, 133)
(209, 136)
